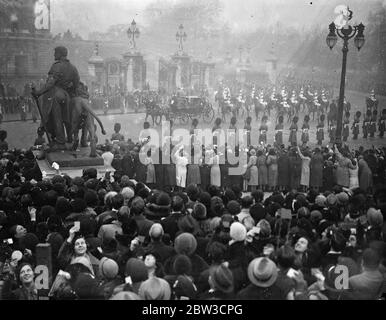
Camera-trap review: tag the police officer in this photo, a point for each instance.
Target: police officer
(65, 77)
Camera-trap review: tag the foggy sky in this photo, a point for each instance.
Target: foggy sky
(85, 16)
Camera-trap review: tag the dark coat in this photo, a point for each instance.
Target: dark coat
(143, 224)
(128, 165)
(198, 266)
(205, 176)
(170, 224)
(283, 170)
(252, 292)
(295, 167)
(238, 264)
(316, 168)
(164, 251)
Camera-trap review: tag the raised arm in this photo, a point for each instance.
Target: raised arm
(301, 154)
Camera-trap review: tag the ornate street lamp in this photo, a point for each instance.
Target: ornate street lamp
(345, 32)
(133, 33)
(240, 54)
(181, 37)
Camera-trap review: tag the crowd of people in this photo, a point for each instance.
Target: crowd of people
(188, 231)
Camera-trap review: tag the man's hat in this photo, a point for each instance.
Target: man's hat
(62, 51)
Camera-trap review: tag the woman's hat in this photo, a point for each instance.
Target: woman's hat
(185, 243)
(126, 295)
(238, 232)
(262, 272)
(155, 289)
(183, 287)
(108, 268)
(222, 278)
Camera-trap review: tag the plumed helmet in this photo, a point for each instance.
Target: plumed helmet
(61, 51)
(281, 119)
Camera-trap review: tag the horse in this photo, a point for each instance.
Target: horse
(151, 108)
(56, 114)
(82, 118)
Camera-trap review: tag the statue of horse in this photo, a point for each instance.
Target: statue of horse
(82, 117)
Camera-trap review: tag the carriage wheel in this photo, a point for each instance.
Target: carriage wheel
(208, 115)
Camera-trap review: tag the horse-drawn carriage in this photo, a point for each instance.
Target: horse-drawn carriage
(185, 108)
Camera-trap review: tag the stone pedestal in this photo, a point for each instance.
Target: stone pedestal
(80, 158)
(183, 74)
(135, 76)
(72, 163)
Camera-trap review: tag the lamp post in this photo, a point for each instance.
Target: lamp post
(345, 32)
(181, 37)
(241, 54)
(133, 33)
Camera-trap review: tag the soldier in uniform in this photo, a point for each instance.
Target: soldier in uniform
(373, 123)
(305, 128)
(372, 101)
(23, 109)
(65, 78)
(293, 139)
(346, 105)
(382, 123)
(355, 126)
(366, 124)
(346, 126)
(279, 132)
(263, 130)
(248, 129)
(320, 130)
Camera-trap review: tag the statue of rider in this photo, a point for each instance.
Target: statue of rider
(63, 80)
